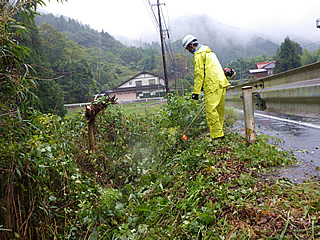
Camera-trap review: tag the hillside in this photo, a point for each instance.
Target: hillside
(96, 61)
(82, 34)
(138, 179)
(228, 43)
(111, 62)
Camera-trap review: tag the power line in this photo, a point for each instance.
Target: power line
(162, 49)
(169, 21)
(163, 29)
(241, 29)
(245, 30)
(168, 44)
(310, 44)
(164, 22)
(152, 15)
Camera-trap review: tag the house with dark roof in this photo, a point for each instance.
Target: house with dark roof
(142, 85)
(264, 69)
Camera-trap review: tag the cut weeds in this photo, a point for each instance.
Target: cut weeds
(145, 182)
(224, 197)
(202, 189)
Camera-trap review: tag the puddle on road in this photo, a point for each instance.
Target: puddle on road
(304, 142)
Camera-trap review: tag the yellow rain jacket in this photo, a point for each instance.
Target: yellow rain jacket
(209, 76)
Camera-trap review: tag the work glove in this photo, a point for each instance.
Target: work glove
(195, 96)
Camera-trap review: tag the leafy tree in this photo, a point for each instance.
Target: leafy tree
(149, 61)
(288, 56)
(67, 57)
(54, 44)
(307, 57)
(310, 57)
(13, 83)
(78, 83)
(131, 55)
(74, 50)
(19, 186)
(49, 95)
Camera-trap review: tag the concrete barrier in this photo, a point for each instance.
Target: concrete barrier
(293, 92)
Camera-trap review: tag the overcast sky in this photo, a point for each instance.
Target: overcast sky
(132, 19)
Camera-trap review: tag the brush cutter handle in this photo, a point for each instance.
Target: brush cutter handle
(194, 119)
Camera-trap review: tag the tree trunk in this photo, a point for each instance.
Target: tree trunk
(91, 113)
(91, 126)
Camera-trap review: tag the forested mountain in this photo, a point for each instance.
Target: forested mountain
(82, 34)
(229, 43)
(86, 61)
(49, 95)
(137, 179)
(110, 60)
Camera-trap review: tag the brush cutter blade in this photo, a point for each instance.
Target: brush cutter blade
(184, 137)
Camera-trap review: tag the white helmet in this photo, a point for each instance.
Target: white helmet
(188, 39)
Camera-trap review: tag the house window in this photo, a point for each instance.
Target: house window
(130, 83)
(138, 83)
(152, 81)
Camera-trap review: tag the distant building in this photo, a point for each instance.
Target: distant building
(264, 69)
(142, 85)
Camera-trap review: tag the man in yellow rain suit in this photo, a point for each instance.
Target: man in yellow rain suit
(209, 76)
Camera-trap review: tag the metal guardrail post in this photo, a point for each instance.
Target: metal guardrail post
(248, 114)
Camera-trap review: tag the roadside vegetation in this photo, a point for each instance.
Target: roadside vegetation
(144, 182)
(142, 109)
(141, 181)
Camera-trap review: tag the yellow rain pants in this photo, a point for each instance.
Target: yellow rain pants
(209, 75)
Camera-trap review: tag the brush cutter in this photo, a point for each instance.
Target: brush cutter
(184, 137)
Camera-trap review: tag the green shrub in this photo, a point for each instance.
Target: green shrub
(144, 182)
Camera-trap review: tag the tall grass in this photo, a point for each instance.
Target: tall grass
(144, 181)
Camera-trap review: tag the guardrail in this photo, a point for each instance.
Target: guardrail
(293, 92)
(142, 100)
(77, 105)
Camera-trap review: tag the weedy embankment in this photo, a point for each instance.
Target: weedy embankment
(144, 182)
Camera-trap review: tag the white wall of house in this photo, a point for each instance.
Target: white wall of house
(142, 80)
(125, 96)
(139, 87)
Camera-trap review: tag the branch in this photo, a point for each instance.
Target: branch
(97, 106)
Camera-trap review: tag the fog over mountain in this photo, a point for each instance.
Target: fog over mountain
(218, 34)
(228, 42)
(205, 27)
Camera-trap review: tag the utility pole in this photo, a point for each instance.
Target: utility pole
(163, 53)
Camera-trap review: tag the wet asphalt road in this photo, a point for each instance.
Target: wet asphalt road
(300, 135)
